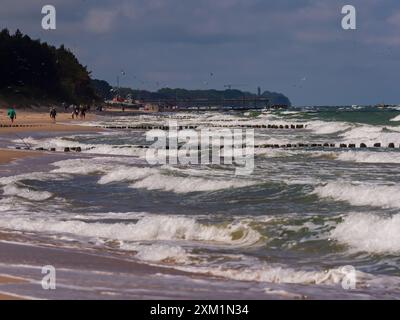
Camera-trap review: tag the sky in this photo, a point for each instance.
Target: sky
(296, 47)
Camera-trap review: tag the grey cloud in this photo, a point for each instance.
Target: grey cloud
(271, 43)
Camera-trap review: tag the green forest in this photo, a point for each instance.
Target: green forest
(33, 70)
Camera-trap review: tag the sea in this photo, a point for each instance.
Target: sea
(319, 218)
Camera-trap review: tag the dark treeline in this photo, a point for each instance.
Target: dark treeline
(31, 69)
(107, 92)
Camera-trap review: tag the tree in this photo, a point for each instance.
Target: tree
(36, 70)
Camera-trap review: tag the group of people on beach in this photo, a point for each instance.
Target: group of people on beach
(79, 111)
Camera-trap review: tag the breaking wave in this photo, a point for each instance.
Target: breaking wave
(328, 127)
(148, 228)
(146, 178)
(372, 134)
(276, 274)
(369, 233)
(369, 157)
(361, 195)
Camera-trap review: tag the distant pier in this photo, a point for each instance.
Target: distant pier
(186, 104)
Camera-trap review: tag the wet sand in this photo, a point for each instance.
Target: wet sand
(7, 155)
(6, 280)
(91, 274)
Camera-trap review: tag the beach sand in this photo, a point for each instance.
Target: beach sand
(38, 121)
(94, 274)
(7, 155)
(7, 280)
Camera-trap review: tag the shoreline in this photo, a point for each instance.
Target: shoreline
(37, 121)
(10, 155)
(78, 270)
(94, 273)
(8, 280)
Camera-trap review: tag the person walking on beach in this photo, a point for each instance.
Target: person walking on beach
(83, 112)
(75, 112)
(12, 114)
(53, 114)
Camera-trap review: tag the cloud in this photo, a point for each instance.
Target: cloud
(270, 43)
(103, 20)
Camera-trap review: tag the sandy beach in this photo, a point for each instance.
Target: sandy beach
(37, 121)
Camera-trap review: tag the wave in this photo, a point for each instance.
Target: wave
(146, 178)
(148, 228)
(397, 118)
(277, 274)
(26, 193)
(86, 166)
(87, 148)
(13, 185)
(368, 157)
(361, 195)
(328, 127)
(186, 184)
(372, 134)
(158, 252)
(369, 233)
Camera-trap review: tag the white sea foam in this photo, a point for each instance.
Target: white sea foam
(90, 166)
(372, 134)
(158, 252)
(148, 228)
(124, 173)
(146, 178)
(187, 184)
(275, 140)
(386, 196)
(369, 233)
(26, 193)
(38, 176)
(13, 186)
(8, 204)
(290, 112)
(369, 157)
(396, 118)
(327, 127)
(62, 142)
(276, 274)
(58, 142)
